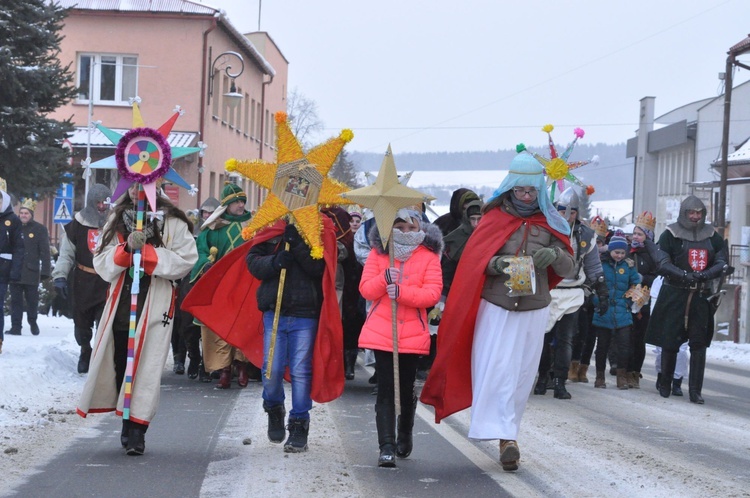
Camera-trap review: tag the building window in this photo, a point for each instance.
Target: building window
(252, 118)
(115, 78)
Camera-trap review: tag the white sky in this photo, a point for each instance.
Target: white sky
(435, 75)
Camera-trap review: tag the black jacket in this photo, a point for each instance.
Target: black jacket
(36, 260)
(11, 247)
(303, 286)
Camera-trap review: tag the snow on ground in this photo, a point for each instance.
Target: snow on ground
(39, 389)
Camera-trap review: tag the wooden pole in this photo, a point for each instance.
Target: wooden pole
(394, 330)
(276, 314)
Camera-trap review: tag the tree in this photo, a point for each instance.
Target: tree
(344, 171)
(303, 117)
(33, 83)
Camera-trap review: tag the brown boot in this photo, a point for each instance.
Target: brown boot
(573, 371)
(622, 379)
(225, 379)
(582, 371)
(635, 380)
(600, 381)
(242, 378)
(509, 454)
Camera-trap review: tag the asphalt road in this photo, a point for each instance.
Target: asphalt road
(608, 442)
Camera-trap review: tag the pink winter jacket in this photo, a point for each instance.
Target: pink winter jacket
(420, 284)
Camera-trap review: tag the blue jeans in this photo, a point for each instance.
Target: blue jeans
(295, 339)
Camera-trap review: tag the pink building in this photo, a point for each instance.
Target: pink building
(168, 53)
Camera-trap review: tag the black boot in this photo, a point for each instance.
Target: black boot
(179, 364)
(136, 439)
(677, 387)
(658, 381)
(84, 359)
(34, 328)
(695, 377)
(405, 441)
(541, 384)
(350, 360)
(668, 362)
(560, 391)
(385, 415)
(276, 431)
(124, 433)
(203, 376)
(297, 441)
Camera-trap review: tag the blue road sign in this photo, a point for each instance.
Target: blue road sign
(65, 191)
(63, 210)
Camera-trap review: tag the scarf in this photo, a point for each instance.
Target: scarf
(525, 210)
(149, 229)
(404, 243)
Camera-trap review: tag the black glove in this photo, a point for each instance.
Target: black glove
(207, 267)
(603, 305)
(61, 287)
(283, 259)
(291, 235)
(700, 276)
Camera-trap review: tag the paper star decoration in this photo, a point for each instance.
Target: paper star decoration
(143, 156)
(298, 184)
(386, 196)
(557, 168)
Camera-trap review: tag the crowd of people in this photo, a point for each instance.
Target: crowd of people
(493, 301)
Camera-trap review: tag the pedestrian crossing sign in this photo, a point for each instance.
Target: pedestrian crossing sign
(63, 209)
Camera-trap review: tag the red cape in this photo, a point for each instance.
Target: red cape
(224, 300)
(448, 387)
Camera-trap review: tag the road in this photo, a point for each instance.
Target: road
(208, 443)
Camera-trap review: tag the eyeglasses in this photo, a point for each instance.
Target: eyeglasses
(521, 191)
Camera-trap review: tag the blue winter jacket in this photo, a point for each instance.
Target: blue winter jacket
(619, 277)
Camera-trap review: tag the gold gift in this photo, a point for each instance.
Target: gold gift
(521, 276)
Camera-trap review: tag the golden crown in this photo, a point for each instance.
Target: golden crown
(646, 220)
(29, 204)
(599, 226)
(3, 185)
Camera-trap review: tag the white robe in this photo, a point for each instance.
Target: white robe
(152, 340)
(504, 362)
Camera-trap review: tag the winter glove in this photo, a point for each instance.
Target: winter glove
(207, 267)
(283, 259)
(291, 235)
(136, 240)
(603, 306)
(391, 275)
(61, 287)
(700, 276)
(544, 257)
(392, 290)
(497, 263)
(602, 292)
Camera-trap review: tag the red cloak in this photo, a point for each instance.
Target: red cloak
(448, 387)
(224, 300)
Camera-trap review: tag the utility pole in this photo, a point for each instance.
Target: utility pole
(735, 51)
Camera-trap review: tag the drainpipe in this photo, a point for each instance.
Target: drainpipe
(202, 123)
(262, 125)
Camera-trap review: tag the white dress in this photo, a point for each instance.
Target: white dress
(504, 362)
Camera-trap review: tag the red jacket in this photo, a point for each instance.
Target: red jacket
(420, 284)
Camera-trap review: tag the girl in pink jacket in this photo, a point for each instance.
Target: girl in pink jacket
(415, 282)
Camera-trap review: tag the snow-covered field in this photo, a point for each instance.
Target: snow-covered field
(39, 388)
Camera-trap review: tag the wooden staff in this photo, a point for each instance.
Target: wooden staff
(394, 330)
(276, 313)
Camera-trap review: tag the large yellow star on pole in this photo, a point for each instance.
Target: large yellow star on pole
(386, 196)
(298, 184)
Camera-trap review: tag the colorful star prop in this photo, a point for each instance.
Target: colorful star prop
(143, 156)
(298, 184)
(557, 168)
(386, 196)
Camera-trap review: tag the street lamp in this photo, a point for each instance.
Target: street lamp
(233, 97)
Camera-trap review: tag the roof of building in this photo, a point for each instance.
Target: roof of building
(175, 7)
(79, 138)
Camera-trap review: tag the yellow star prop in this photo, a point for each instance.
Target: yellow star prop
(298, 184)
(386, 196)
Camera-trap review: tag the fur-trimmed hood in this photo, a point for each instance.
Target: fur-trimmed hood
(433, 238)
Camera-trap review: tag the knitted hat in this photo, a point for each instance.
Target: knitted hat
(618, 242)
(232, 193)
(355, 213)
